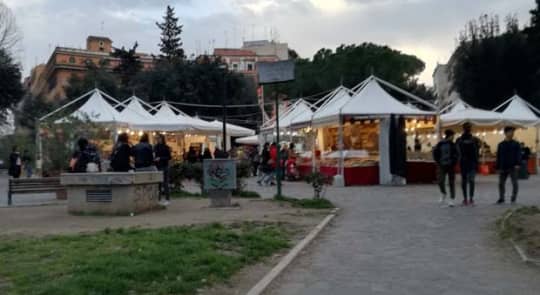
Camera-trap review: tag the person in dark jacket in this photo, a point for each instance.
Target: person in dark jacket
(266, 174)
(508, 163)
(144, 155)
(206, 155)
(120, 158)
(86, 158)
(15, 163)
(192, 156)
(220, 154)
(524, 169)
(468, 148)
(163, 156)
(445, 155)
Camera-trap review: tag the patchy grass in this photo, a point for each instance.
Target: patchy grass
(320, 203)
(523, 226)
(174, 260)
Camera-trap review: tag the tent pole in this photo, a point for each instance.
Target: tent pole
(65, 106)
(537, 164)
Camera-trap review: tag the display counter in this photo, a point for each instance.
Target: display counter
(421, 171)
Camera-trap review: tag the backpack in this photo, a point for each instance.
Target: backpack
(445, 152)
(88, 160)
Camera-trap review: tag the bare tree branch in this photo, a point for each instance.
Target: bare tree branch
(9, 33)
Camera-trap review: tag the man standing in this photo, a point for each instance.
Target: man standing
(143, 155)
(508, 163)
(468, 148)
(163, 156)
(445, 155)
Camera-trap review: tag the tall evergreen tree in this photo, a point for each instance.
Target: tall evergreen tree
(129, 66)
(171, 43)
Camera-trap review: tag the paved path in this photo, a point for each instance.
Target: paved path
(396, 240)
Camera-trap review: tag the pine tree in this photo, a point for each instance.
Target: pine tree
(171, 43)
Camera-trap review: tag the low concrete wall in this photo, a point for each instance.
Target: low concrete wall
(112, 193)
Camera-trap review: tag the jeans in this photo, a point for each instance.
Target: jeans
(164, 186)
(467, 180)
(443, 172)
(513, 173)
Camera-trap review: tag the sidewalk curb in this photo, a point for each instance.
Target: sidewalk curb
(522, 253)
(261, 286)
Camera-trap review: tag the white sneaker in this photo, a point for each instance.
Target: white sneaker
(451, 203)
(164, 203)
(442, 199)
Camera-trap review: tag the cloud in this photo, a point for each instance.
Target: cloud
(426, 28)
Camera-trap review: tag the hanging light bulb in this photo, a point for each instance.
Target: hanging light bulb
(140, 133)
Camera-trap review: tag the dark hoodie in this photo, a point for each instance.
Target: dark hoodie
(468, 148)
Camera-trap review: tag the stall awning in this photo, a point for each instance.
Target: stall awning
(96, 109)
(134, 112)
(232, 130)
(518, 111)
(369, 100)
(473, 116)
(165, 119)
(299, 113)
(248, 140)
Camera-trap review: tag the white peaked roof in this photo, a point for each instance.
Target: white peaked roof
(298, 113)
(519, 112)
(330, 110)
(97, 110)
(134, 112)
(462, 113)
(165, 120)
(369, 100)
(249, 140)
(372, 99)
(233, 130)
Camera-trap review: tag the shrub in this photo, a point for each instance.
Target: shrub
(318, 181)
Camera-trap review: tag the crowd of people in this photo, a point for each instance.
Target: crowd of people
(265, 163)
(512, 157)
(20, 163)
(125, 157)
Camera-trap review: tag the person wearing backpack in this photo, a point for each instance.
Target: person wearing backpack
(86, 158)
(445, 155)
(120, 158)
(468, 149)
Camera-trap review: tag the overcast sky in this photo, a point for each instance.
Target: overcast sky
(425, 28)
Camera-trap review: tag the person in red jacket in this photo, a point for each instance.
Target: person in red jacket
(273, 159)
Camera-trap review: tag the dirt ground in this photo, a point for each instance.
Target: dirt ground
(46, 220)
(529, 227)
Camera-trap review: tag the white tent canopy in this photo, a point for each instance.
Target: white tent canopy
(96, 109)
(330, 110)
(298, 113)
(248, 140)
(134, 112)
(165, 119)
(519, 112)
(369, 100)
(232, 130)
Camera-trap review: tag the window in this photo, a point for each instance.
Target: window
(235, 67)
(250, 67)
(101, 46)
(71, 60)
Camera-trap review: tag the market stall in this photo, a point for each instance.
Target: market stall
(366, 129)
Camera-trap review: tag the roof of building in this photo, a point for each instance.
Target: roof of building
(98, 38)
(233, 52)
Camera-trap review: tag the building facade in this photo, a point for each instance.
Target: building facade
(243, 60)
(50, 80)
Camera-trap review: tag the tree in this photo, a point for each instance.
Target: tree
(11, 90)
(348, 65)
(171, 43)
(9, 35)
(489, 66)
(129, 66)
